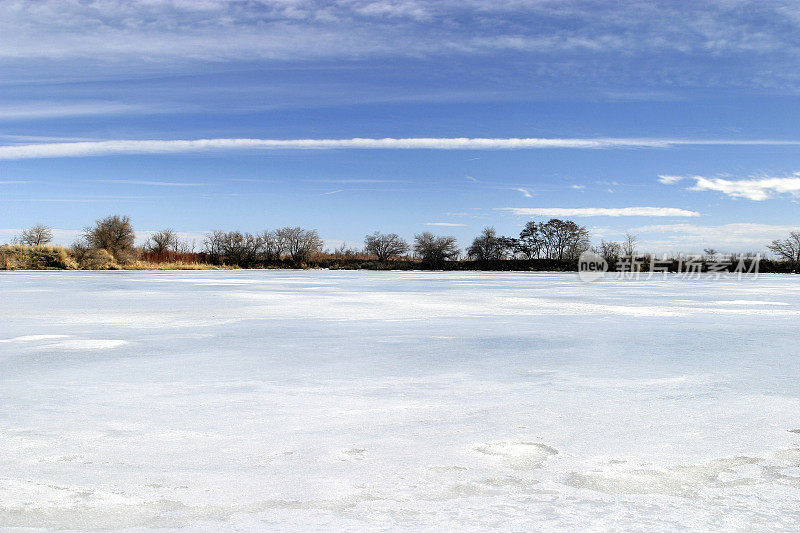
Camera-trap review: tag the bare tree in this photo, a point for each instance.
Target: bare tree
(787, 249)
(385, 245)
(488, 246)
(610, 251)
(273, 246)
(531, 240)
(115, 234)
(234, 247)
(300, 243)
(38, 235)
(162, 241)
(629, 245)
(433, 249)
(186, 247)
(563, 239)
(346, 252)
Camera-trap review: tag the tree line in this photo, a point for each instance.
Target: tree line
(554, 244)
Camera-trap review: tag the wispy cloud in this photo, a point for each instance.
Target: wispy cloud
(41, 110)
(337, 191)
(743, 236)
(601, 211)
(756, 189)
(153, 183)
(11, 182)
(669, 180)
(79, 200)
(281, 29)
(445, 224)
(354, 180)
(525, 192)
(577, 187)
(115, 147)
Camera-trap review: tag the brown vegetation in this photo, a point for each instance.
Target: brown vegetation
(552, 245)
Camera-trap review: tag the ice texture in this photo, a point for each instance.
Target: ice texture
(333, 400)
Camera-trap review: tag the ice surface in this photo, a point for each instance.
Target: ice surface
(324, 400)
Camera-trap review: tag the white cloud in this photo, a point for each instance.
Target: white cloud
(578, 187)
(601, 211)
(445, 224)
(756, 189)
(113, 147)
(742, 236)
(525, 192)
(669, 180)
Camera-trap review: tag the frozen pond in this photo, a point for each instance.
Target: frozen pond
(330, 400)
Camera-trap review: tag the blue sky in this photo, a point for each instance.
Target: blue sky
(678, 121)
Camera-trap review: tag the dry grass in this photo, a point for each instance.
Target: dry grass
(145, 265)
(21, 257)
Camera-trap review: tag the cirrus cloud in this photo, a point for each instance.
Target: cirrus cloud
(601, 211)
(445, 224)
(756, 189)
(170, 146)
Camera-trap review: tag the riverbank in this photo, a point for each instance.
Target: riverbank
(21, 257)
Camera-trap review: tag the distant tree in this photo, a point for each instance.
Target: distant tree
(531, 240)
(787, 249)
(629, 245)
(488, 246)
(36, 236)
(301, 244)
(346, 252)
(115, 234)
(162, 241)
(234, 248)
(273, 248)
(385, 245)
(433, 249)
(510, 245)
(610, 251)
(710, 252)
(563, 239)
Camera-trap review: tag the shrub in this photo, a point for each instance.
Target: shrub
(14, 257)
(433, 249)
(385, 246)
(96, 259)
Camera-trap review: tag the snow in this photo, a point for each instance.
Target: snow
(333, 400)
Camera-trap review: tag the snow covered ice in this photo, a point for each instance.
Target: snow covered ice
(332, 400)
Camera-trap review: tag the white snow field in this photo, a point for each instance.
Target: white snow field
(332, 400)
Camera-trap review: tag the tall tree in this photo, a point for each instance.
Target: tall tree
(162, 241)
(531, 240)
(385, 245)
(301, 244)
(487, 246)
